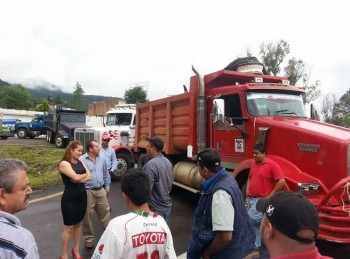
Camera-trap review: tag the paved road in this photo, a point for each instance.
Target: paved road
(39, 141)
(44, 219)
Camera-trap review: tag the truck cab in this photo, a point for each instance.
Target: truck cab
(232, 111)
(32, 129)
(120, 126)
(61, 123)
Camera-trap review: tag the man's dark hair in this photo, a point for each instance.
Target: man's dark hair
(260, 147)
(136, 185)
(209, 158)
(9, 169)
(90, 144)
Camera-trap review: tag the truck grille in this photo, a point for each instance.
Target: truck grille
(84, 137)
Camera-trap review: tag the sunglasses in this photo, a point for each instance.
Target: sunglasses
(106, 140)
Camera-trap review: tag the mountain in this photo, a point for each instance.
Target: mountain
(43, 92)
(3, 83)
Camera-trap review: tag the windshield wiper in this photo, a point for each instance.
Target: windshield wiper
(279, 111)
(287, 112)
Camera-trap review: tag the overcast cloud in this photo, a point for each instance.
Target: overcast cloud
(109, 45)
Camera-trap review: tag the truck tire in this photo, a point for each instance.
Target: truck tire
(31, 136)
(3, 137)
(123, 164)
(50, 137)
(143, 158)
(59, 142)
(22, 133)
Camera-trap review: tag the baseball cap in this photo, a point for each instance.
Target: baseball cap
(209, 157)
(290, 212)
(157, 142)
(105, 137)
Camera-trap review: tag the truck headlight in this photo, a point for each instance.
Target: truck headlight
(308, 188)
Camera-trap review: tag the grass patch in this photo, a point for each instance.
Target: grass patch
(42, 163)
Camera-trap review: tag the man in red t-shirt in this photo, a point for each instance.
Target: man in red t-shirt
(265, 178)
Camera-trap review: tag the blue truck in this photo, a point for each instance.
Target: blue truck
(32, 129)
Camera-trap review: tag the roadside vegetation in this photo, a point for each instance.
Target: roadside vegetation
(42, 163)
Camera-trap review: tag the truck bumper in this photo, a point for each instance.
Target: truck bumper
(335, 217)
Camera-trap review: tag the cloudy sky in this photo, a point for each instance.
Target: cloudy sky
(107, 46)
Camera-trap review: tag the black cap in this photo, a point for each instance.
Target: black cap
(157, 142)
(290, 212)
(209, 158)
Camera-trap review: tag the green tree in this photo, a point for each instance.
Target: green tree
(341, 111)
(57, 99)
(78, 96)
(327, 108)
(312, 91)
(135, 95)
(15, 97)
(44, 106)
(295, 70)
(273, 54)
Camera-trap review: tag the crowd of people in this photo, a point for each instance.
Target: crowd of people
(271, 223)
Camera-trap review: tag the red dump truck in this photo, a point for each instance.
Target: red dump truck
(233, 110)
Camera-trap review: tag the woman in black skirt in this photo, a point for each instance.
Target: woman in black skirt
(73, 202)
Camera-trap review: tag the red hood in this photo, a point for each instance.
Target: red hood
(308, 127)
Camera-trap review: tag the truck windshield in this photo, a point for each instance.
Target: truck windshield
(70, 117)
(275, 104)
(118, 119)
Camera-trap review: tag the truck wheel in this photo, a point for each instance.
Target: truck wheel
(50, 137)
(22, 133)
(143, 158)
(123, 164)
(59, 141)
(4, 137)
(31, 136)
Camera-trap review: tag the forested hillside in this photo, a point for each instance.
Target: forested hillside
(17, 95)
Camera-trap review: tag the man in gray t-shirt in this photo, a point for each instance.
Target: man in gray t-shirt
(15, 241)
(161, 175)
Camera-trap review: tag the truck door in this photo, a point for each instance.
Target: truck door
(36, 124)
(227, 133)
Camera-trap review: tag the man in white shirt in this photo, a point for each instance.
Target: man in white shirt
(139, 234)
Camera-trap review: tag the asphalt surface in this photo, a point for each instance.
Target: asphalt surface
(43, 216)
(38, 141)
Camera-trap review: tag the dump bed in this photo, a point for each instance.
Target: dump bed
(172, 119)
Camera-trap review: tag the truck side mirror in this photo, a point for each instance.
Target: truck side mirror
(218, 110)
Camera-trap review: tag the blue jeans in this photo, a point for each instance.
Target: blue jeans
(197, 246)
(255, 217)
(165, 214)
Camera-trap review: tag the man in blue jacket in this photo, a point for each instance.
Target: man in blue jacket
(221, 226)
